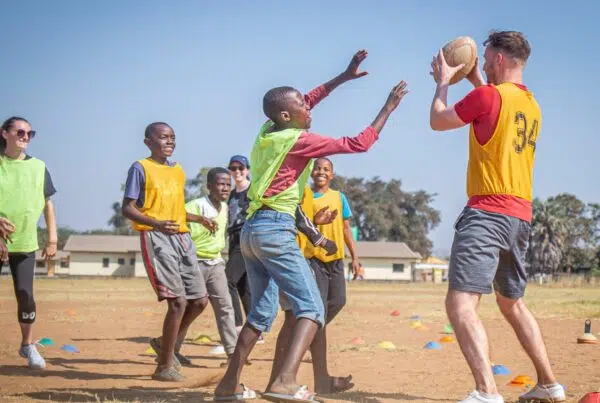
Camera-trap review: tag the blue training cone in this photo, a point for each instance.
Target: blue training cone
(46, 341)
(433, 345)
(500, 370)
(70, 348)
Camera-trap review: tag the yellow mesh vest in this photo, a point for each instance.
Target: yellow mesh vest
(163, 194)
(306, 247)
(333, 231)
(504, 165)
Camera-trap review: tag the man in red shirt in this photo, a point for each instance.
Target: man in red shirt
(492, 233)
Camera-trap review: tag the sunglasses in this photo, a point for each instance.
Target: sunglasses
(237, 168)
(23, 133)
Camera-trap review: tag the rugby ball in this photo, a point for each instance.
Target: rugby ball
(458, 51)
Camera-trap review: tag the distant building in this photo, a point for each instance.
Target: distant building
(385, 260)
(104, 255)
(121, 255)
(50, 267)
(431, 269)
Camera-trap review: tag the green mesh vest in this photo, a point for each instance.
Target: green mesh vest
(22, 200)
(268, 153)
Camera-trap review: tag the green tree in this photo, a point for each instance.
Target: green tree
(580, 239)
(62, 232)
(196, 187)
(119, 223)
(383, 211)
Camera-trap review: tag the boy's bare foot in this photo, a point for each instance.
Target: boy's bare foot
(334, 384)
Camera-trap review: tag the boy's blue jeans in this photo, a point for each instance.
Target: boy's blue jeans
(274, 263)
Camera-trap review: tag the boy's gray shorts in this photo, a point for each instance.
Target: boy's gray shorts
(489, 248)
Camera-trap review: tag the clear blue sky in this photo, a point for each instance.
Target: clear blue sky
(90, 76)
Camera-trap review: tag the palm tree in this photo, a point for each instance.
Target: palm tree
(119, 223)
(548, 235)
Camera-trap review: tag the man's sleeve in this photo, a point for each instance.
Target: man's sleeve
(135, 182)
(476, 104)
(346, 211)
(307, 227)
(49, 189)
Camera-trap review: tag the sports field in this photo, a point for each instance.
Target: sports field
(110, 320)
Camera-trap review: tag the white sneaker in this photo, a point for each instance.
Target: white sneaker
(541, 393)
(34, 359)
(217, 350)
(261, 339)
(477, 396)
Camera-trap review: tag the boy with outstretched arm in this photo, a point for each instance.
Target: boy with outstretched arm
(154, 201)
(281, 162)
(329, 272)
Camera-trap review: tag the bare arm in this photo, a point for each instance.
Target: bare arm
(350, 73)
(442, 117)
(50, 218)
(130, 211)
(6, 228)
(349, 241)
(398, 92)
(3, 250)
(209, 224)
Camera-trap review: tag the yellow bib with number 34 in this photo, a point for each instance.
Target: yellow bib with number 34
(504, 165)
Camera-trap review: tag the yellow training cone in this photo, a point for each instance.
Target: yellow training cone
(416, 324)
(387, 345)
(203, 339)
(447, 339)
(151, 351)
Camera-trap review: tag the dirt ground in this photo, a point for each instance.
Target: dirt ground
(110, 321)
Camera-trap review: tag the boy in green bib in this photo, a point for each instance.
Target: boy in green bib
(25, 189)
(209, 245)
(280, 166)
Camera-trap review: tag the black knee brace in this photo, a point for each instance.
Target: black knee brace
(26, 306)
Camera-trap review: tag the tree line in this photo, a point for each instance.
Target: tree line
(565, 231)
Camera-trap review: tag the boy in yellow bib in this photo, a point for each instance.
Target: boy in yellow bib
(154, 201)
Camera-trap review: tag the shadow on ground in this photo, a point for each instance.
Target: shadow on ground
(19, 370)
(127, 395)
(374, 397)
(175, 395)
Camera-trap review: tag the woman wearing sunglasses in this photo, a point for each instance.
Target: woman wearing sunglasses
(25, 191)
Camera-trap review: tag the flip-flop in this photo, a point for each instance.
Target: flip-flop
(302, 395)
(247, 394)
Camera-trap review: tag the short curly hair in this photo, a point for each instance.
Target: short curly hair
(512, 43)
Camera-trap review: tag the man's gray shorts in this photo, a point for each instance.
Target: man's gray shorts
(489, 248)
